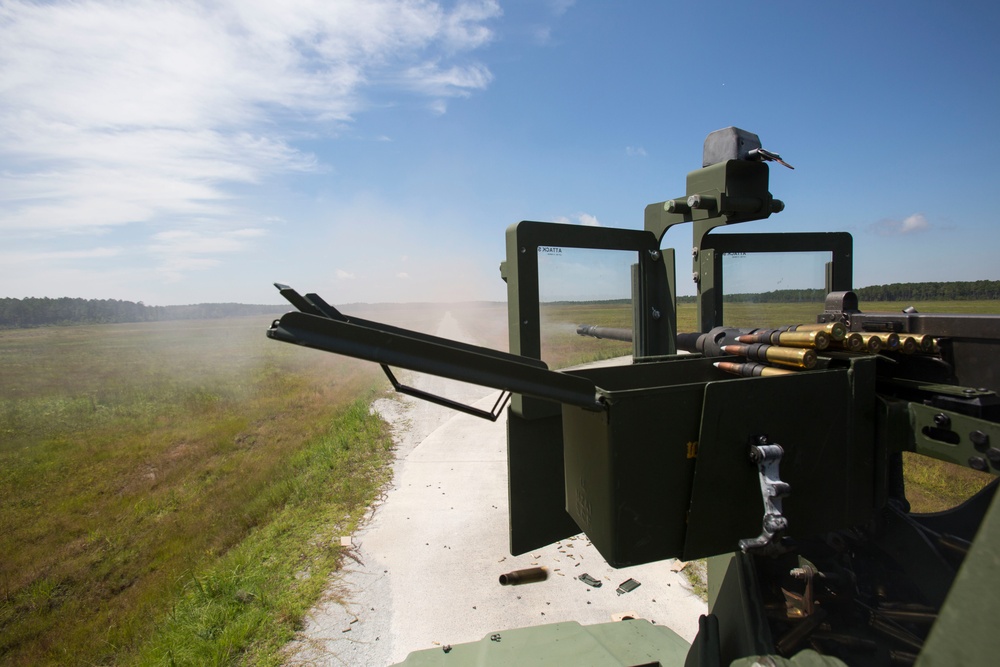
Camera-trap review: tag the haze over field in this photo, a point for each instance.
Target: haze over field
(187, 152)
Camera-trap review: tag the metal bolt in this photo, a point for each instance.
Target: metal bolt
(993, 454)
(654, 255)
(654, 313)
(978, 463)
(694, 201)
(694, 252)
(941, 420)
(980, 440)
(969, 391)
(696, 277)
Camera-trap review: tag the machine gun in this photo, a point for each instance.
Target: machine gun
(789, 481)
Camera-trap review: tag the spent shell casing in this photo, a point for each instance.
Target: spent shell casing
(528, 575)
(751, 369)
(837, 330)
(786, 356)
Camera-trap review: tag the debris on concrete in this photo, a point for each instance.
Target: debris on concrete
(626, 586)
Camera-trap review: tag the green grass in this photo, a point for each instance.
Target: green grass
(248, 604)
(134, 460)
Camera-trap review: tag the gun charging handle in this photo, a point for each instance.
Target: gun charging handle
(766, 456)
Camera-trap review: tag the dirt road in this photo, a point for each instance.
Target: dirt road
(423, 570)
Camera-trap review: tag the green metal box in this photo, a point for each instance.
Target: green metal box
(632, 472)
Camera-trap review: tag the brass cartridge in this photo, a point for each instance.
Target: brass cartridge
(818, 340)
(926, 343)
(786, 356)
(890, 341)
(853, 342)
(837, 330)
(750, 369)
(908, 344)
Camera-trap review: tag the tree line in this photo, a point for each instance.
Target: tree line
(976, 290)
(40, 312)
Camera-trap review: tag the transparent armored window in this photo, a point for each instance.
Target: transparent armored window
(583, 286)
(765, 289)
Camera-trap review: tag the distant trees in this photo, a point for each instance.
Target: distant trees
(40, 312)
(977, 290)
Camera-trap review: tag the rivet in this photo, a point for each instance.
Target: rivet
(978, 463)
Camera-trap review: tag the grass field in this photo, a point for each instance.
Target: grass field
(135, 458)
(174, 493)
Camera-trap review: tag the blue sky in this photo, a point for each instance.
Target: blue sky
(183, 152)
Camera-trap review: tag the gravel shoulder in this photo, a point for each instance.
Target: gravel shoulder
(423, 569)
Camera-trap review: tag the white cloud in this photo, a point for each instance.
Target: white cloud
(149, 112)
(580, 219)
(914, 223)
(58, 255)
(910, 225)
(560, 7)
(187, 242)
(403, 276)
(635, 151)
(344, 275)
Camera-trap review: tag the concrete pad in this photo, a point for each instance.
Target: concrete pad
(425, 567)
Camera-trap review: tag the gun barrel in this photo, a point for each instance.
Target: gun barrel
(611, 333)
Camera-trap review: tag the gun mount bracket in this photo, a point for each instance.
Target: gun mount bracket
(766, 456)
(492, 414)
(321, 326)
